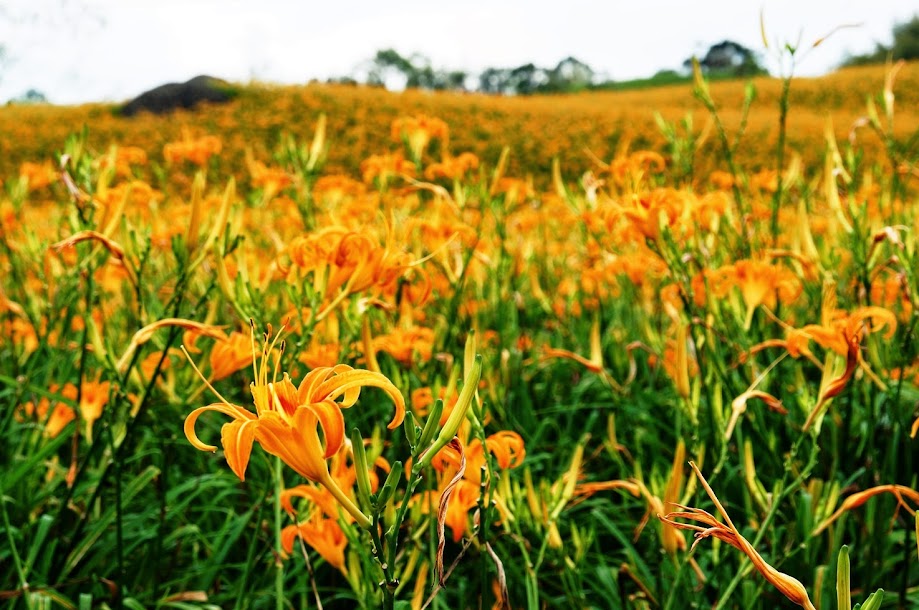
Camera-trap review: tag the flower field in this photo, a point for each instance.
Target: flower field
(336, 347)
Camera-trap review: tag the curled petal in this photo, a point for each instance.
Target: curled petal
(237, 437)
(233, 411)
(347, 384)
(333, 425)
(307, 389)
(507, 447)
(316, 495)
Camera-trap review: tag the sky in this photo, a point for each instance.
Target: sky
(77, 51)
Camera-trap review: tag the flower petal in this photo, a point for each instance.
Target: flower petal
(333, 425)
(237, 437)
(225, 408)
(348, 384)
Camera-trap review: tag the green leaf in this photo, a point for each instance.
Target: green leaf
(9, 481)
(38, 541)
(843, 580)
(229, 535)
(105, 522)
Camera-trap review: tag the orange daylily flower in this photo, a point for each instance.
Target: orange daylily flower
(60, 413)
(452, 167)
(759, 282)
(857, 499)
(321, 533)
(93, 397)
(403, 343)
(418, 131)
(320, 354)
(464, 465)
(288, 418)
(789, 586)
(195, 150)
(230, 355)
(507, 447)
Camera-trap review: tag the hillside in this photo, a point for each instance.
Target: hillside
(536, 129)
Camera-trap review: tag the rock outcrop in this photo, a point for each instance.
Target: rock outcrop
(189, 94)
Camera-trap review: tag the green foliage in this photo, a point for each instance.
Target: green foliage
(905, 45)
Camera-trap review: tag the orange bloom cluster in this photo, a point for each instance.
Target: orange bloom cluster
(320, 530)
(508, 449)
(418, 131)
(123, 159)
(343, 262)
(55, 415)
(403, 343)
(759, 283)
(288, 419)
(383, 168)
(38, 175)
(195, 150)
(635, 166)
(452, 168)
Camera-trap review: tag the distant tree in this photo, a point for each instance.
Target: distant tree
(390, 67)
(386, 65)
(905, 45)
(451, 80)
(570, 75)
(526, 79)
(494, 80)
(32, 96)
(729, 58)
(906, 39)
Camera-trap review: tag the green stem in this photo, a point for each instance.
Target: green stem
(780, 156)
(279, 565)
(389, 583)
(392, 535)
(119, 530)
(346, 502)
(20, 571)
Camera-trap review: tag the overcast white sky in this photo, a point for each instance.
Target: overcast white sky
(93, 50)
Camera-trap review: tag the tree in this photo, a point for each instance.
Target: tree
(906, 39)
(494, 80)
(390, 67)
(729, 58)
(905, 45)
(32, 96)
(570, 75)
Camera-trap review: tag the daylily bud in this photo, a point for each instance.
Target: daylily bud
(843, 594)
(389, 487)
(411, 430)
(361, 472)
(430, 426)
(470, 384)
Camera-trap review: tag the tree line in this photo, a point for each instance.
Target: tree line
(389, 68)
(725, 59)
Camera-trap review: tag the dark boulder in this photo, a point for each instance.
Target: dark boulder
(171, 96)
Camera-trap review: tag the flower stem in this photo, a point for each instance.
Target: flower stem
(279, 565)
(362, 520)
